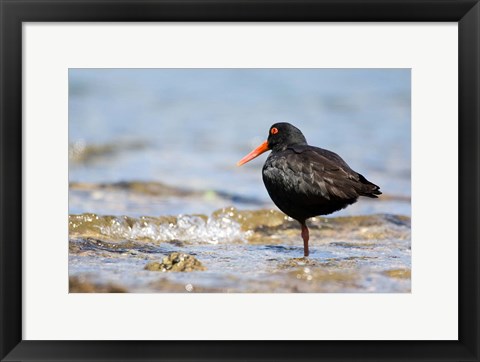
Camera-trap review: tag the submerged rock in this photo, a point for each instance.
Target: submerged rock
(176, 262)
(252, 219)
(146, 188)
(229, 225)
(348, 254)
(298, 262)
(82, 153)
(399, 273)
(83, 285)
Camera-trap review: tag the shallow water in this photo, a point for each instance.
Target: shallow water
(242, 251)
(153, 198)
(157, 149)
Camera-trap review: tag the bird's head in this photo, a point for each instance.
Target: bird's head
(280, 136)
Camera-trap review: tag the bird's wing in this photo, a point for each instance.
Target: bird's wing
(328, 159)
(320, 172)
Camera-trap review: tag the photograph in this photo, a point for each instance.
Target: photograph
(241, 180)
(226, 181)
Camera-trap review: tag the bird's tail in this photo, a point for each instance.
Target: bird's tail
(368, 188)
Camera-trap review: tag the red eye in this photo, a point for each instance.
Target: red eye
(274, 130)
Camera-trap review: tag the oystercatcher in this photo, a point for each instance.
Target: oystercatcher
(306, 181)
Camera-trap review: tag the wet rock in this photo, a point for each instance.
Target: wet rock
(80, 152)
(145, 188)
(90, 246)
(232, 225)
(176, 262)
(250, 220)
(353, 245)
(177, 243)
(349, 254)
(399, 273)
(392, 197)
(83, 285)
(299, 262)
(321, 278)
(163, 285)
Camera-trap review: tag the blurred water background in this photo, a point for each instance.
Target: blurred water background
(188, 127)
(158, 142)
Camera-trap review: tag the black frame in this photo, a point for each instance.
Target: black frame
(14, 12)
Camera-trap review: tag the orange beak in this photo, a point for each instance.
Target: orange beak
(255, 153)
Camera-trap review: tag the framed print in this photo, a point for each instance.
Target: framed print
(142, 218)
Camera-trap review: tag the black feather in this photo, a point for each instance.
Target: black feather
(306, 181)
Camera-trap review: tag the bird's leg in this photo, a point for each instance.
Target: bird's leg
(305, 237)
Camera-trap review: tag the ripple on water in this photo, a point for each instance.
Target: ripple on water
(221, 227)
(244, 251)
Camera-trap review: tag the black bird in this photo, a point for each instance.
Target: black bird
(306, 181)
